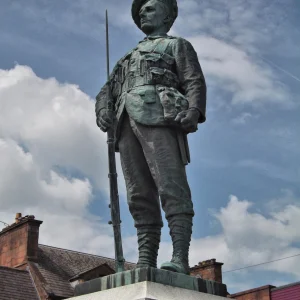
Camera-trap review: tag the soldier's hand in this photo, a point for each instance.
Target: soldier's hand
(104, 122)
(188, 120)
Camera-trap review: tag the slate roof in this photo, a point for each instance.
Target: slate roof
(57, 266)
(104, 268)
(16, 285)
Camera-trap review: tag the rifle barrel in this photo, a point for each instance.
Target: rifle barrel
(107, 46)
(113, 181)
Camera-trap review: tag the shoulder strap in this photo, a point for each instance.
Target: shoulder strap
(162, 45)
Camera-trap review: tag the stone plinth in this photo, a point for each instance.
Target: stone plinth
(148, 291)
(151, 275)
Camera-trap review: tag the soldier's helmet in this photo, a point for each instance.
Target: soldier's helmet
(137, 4)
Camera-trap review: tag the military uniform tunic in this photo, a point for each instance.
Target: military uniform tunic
(150, 86)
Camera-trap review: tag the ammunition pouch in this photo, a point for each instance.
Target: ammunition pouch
(172, 101)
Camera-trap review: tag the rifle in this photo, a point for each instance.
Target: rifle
(113, 182)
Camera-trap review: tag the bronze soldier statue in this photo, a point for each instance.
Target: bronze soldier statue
(159, 96)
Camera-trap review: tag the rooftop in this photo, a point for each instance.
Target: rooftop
(16, 285)
(57, 266)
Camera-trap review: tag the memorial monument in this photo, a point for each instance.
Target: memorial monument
(154, 97)
(159, 96)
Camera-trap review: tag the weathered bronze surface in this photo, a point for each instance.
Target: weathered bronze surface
(159, 95)
(113, 180)
(152, 275)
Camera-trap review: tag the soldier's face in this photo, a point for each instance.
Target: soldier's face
(153, 15)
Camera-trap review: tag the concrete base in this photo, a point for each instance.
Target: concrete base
(148, 291)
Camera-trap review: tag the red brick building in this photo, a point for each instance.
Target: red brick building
(29, 270)
(269, 292)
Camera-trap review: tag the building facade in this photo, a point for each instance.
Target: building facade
(269, 292)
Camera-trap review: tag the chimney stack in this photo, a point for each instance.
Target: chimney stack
(209, 270)
(19, 242)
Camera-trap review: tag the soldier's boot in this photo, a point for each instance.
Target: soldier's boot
(180, 231)
(148, 241)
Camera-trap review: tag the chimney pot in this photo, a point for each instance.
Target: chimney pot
(18, 216)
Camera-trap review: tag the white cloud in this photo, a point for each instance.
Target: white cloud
(243, 23)
(231, 40)
(46, 127)
(242, 119)
(278, 230)
(60, 202)
(250, 238)
(232, 70)
(21, 184)
(54, 121)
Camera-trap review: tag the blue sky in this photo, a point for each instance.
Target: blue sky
(245, 169)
